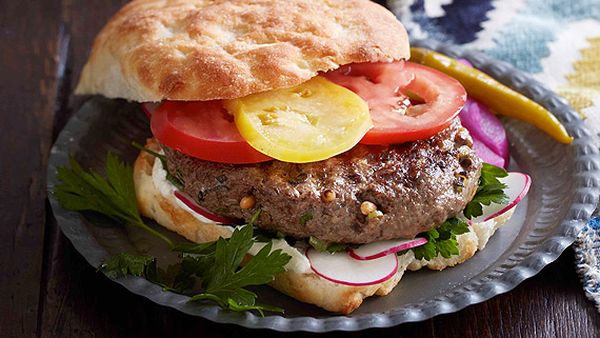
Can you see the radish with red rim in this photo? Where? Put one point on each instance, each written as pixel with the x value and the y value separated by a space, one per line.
pixel 340 268
pixel 517 186
pixel 190 203
pixel 383 248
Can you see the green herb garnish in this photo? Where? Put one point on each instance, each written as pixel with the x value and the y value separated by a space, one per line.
pixel 442 240
pixel 175 278
pixel 254 217
pixel 374 214
pixel 305 217
pixel 490 190
pixel 324 246
pixel 113 197
pixel 225 283
pixel 124 264
pixel 262 235
pixel 195 248
pixel 215 264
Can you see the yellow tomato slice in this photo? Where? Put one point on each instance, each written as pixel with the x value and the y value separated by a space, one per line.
pixel 310 122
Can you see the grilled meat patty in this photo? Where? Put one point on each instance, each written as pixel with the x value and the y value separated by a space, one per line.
pixel 416 186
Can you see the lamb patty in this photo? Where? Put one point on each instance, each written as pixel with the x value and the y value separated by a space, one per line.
pixel 416 185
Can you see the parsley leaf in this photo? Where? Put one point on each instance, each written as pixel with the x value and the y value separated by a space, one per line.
pixel 216 264
pixel 113 197
pixel 429 249
pixel 193 248
pixel 442 240
pixel 324 246
pixel 124 264
pixel 490 190
pixel 263 235
pixel 176 277
pixel 224 282
pixel 233 306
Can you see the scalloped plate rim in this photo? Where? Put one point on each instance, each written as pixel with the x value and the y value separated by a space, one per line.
pixel 530 265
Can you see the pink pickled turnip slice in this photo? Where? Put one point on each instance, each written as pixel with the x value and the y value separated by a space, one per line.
pixel 486 127
pixel 149 107
pixel 382 248
pixel 517 187
pixel 340 268
pixel 487 155
pixel 190 203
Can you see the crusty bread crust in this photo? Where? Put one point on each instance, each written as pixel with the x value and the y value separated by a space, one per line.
pixel 306 287
pixel 311 288
pixel 153 50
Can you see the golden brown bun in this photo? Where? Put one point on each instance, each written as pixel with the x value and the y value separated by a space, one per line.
pixel 306 287
pixel 153 50
pixel 311 288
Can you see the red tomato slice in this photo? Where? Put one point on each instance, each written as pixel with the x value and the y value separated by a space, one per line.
pixel 395 118
pixel 202 129
pixel 376 83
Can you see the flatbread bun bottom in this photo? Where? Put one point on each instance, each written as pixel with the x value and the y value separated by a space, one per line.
pixel 307 287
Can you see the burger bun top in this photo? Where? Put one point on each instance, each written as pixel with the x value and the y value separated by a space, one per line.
pixel 198 50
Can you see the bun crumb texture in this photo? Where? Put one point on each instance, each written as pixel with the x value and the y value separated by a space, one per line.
pixel 154 50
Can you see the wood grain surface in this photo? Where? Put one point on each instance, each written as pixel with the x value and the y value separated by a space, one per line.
pixel 47 289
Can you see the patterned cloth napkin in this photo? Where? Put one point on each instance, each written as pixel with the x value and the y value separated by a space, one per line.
pixel 557 41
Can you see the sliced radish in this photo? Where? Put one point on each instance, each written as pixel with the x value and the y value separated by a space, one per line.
pixel 340 268
pixel 190 203
pixel 149 107
pixel 517 187
pixel 383 248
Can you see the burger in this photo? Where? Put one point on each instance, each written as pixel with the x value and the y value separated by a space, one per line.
pixel 304 118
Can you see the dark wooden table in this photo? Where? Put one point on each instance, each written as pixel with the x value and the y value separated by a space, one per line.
pixel 46 287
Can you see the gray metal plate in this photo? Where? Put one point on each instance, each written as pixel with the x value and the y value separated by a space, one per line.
pixel 563 196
